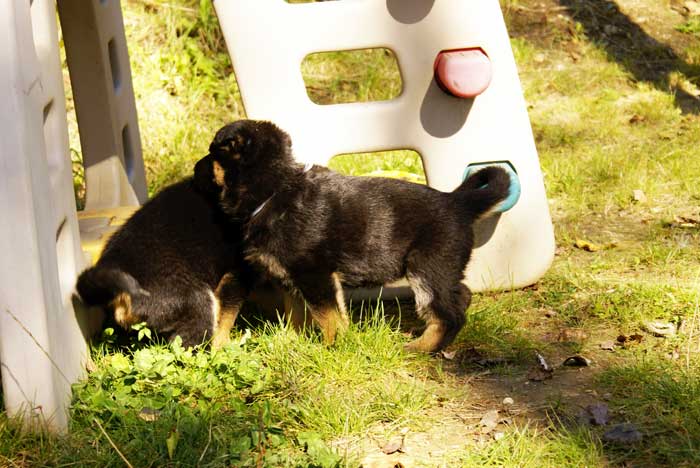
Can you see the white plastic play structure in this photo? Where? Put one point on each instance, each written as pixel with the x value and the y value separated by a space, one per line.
pixel 42 344
pixel 462 42
pixel 268 40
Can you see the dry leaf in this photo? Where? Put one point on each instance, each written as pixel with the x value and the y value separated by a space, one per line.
pixel 596 414
pixel 539 375
pixel 171 442
pixel 589 246
pixel 660 328
pixel 393 446
pixel 599 413
pixel 586 245
pixel 623 434
pixel 489 422
pixel 543 363
pixel 636 337
pixel 380 460
pixel 685 222
pixel 572 335
pixel 542 372
pixel 628 340
pixel 550 313
pixel 149 414
pixel 639 196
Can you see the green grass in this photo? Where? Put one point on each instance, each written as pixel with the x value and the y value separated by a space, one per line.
pixel 532 448
pixel 282 399
pixel 271 398
pixel 662 396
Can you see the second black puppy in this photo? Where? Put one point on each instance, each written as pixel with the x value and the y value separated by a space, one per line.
pixel 176 265
pixel 318 230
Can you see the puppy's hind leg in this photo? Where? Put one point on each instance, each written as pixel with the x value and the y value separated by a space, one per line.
pixel 227 299
pixel 442 308
pixel 324 294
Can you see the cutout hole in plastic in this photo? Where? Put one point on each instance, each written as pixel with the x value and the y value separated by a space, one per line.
pixel 114 66
pixel 346 76
pixel 402 164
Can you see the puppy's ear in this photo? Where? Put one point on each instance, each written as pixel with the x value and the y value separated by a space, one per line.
pixel 229 142
pixel 209 176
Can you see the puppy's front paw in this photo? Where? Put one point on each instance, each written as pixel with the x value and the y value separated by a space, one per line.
pixel 332 322
pixel 430 341
pixel 219 341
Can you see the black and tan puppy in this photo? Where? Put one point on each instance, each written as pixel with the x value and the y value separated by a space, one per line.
pixel 176 265
pixel 318 230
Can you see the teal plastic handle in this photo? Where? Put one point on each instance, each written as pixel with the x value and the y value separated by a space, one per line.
pixel 513 191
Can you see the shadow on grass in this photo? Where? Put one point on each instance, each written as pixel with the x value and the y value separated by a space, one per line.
pixel 628 44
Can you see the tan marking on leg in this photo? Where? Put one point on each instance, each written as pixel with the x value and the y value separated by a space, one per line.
pixel 295 310
pixel 222 333
pixel 224 313
pixel 123 314
pixel 339 293
pixel 340 300
pixel 431 338
pixel 219 173
pixel 331 321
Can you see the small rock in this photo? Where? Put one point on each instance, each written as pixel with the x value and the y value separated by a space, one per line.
pixel 639 196
pixel 448 355
pixel 623 434
pixel 607 345
pixel 498 436
pixel 393 446
pixel 507 401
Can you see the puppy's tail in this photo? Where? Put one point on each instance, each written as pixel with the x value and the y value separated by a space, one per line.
pixel 482 191
pixel 99 286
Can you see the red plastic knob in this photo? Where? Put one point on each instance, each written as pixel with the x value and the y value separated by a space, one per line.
pixel 463 73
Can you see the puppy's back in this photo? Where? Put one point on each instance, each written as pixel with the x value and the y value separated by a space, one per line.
pixel 174 240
